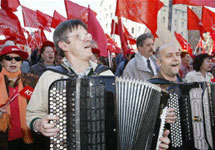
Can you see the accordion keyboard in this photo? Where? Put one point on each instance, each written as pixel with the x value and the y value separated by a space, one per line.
pixel 176 133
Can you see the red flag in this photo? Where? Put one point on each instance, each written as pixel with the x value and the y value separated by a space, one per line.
pixel 112 45
pixel 27 92
pixel 44 19
pixel 128 36
pixel 75 11
pixel 141 11
pixel 39 37
pixel 57 18
pixel 184 44
pixel 10 25
pixel 10 4
pixel 123 39
pixel 208 19
pixel 42 36
pixel 97 32
pixel 31 41
pixel 193 21
pixel 30 18
pixel 210 3
pixel 114 28
pixel 2 42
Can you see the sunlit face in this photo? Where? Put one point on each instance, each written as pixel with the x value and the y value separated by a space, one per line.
pixel 11 65
pixel 79 45
pixel 147 48
pixel 169 61
pixel 48 55
pixel 206 65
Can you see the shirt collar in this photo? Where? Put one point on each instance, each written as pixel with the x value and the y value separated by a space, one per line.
pixel 145 59
pixel 66 63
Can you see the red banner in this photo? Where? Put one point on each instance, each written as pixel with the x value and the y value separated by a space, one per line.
pixel 27 92
pixel 184 44
pixel 10 26
pixel 75 11
pixel 98 33
pixel 10 4
pixel 210 3
pixel 141 11
pixel 193 21
pixel 57 18
pixel 208 19
pixel 44 19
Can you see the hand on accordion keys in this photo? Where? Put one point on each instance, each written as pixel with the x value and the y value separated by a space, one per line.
pixel 170 117
pixel 46 125
pixel 164 141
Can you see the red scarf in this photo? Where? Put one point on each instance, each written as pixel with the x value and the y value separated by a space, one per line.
pixel 5 119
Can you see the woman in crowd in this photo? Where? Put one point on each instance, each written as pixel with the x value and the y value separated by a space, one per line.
pixel 185 64
pixel 14 133
pixel 47 55
pixel 202 64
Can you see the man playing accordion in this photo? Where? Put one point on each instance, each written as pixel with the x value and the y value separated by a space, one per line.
pixel 73 42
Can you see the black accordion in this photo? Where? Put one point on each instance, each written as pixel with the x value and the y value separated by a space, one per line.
pixel 195 111
pixel 103 113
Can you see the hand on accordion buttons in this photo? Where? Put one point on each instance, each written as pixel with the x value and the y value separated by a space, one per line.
pixel 164 141
pixel 46 125
pixel 170 116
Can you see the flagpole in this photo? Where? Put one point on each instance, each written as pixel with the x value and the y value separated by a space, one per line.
pixel 170 16
pixel 187 43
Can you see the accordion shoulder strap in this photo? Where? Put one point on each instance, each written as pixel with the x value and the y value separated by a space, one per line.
pixel 99 69
pixel 159 81
pixel 62 70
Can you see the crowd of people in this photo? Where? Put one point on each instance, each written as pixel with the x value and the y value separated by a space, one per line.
pixel 71 56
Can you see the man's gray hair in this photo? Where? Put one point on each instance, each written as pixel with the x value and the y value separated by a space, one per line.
pixel 159 49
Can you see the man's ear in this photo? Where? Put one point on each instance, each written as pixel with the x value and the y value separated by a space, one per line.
pixel 158 62
pixel 63 45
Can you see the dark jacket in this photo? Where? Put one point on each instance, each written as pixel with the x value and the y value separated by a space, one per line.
pixel 38 69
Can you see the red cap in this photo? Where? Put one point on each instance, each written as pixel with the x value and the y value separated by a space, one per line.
pixel 15 50
pixel 47 43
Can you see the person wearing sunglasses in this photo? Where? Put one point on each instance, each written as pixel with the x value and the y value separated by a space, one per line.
pixel 14 133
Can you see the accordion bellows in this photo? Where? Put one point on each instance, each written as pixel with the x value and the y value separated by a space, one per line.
pixel 103 113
